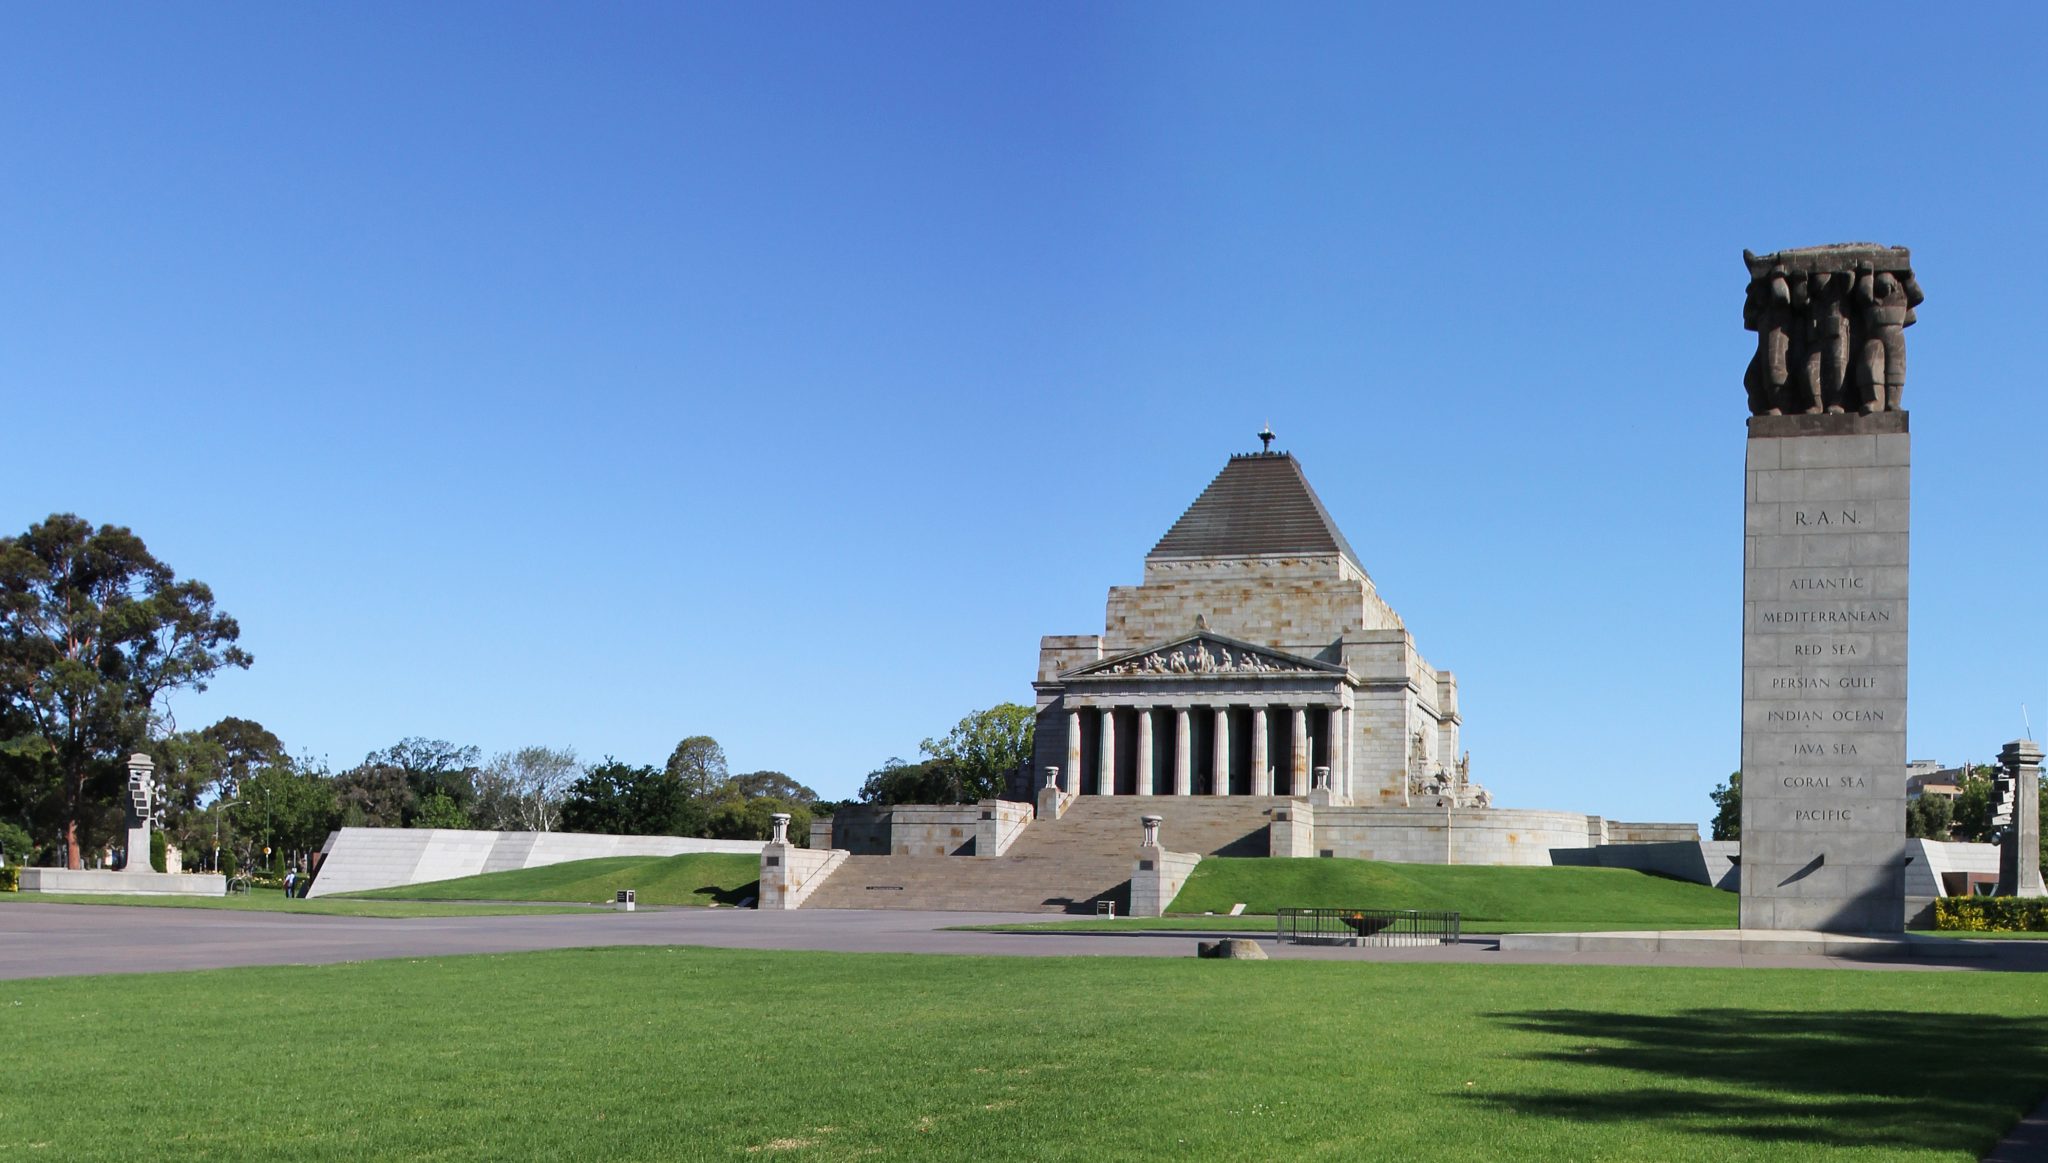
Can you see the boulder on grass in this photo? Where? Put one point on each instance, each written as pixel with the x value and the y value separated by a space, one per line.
pixel 1231 949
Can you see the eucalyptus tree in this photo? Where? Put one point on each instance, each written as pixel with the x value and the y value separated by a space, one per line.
pixel 93 631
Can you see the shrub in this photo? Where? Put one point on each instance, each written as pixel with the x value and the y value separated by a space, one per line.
pixel 1991 914
pixel 229 866
pixel 10 878
pixel 159 855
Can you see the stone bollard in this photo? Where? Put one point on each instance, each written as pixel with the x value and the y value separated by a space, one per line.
pixel 781 836
pixel 1151 830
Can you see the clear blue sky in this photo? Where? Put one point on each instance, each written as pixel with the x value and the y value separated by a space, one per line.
pixel 599 375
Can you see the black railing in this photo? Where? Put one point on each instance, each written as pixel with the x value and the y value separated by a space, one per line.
pixel 1367 927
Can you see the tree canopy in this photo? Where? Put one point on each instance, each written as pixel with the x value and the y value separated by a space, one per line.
pixel 93 630
pixel 974 760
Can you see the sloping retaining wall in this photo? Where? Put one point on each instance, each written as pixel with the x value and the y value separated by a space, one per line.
pixel 358 859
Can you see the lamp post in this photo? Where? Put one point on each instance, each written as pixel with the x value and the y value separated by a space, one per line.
pixel 220 809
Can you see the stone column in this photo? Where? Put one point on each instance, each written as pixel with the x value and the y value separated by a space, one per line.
pixel 1144 751
pixel 1340 753
pixel 1220 769
pixel 1262 772
pixel 1183 753
pixel 1073 777
pixel 1300 785
pixel 2019 847
pixel 1105 770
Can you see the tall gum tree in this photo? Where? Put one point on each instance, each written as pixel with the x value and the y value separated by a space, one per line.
pixel 93 630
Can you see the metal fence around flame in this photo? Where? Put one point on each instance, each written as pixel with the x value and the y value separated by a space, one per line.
pixel 1367 927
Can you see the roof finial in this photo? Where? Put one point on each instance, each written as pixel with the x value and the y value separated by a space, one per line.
pixel 1266 438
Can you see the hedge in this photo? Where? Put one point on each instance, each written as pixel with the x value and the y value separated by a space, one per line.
pixel 10 878
pixel 1992 914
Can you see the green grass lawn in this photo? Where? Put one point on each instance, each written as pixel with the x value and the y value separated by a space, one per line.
pixel 274 901
pixel 1519 898
pixel 664 1053
pixel 700 878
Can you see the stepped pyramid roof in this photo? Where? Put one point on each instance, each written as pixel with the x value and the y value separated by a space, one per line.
pixel 1260 505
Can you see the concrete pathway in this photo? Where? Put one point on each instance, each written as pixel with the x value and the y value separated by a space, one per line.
pixel 50 940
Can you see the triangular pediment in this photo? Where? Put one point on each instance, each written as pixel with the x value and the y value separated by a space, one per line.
pixel 1202 654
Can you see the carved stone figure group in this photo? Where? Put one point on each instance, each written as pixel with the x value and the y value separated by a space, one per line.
pixel 1830 325
pixel 1199 658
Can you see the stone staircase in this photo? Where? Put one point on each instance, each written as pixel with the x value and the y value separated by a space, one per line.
pixel 1062 866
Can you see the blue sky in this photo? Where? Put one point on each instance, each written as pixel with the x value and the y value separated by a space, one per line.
pixel 600 375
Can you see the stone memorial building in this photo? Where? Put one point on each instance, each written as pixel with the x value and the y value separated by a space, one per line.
pixel 1255 653
pixel 1252 696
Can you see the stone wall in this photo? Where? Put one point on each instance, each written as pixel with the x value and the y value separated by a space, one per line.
pixel 359 859
pixel 1302 605
pixel 789 875
pixel 1619 832
pixel 106 881
pixel 1459 836
pixel 1710 862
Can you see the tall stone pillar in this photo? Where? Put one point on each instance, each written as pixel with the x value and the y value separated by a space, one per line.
pixel 1071 781
pixel 2019 848
pixel 1300 777
pixel 1824 672
pixel 1183 753
pixel 1105 768
pixel 1262 770
pixel 1220 769
pixel 1144 751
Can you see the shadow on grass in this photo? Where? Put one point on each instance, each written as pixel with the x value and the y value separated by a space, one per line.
pixel 1848 1078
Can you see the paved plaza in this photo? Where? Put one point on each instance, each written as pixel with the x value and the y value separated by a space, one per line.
pixel 50 940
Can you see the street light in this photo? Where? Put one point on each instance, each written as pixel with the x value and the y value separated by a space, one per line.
pixel 223 807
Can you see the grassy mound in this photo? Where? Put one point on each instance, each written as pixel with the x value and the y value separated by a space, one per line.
pixel 698 878
pixel 1546 896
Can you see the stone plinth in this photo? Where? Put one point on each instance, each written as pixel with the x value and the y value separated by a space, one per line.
pixel 1824 673
pixel 106 881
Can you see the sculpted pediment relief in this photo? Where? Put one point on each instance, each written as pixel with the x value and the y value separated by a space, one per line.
pixel 1202 654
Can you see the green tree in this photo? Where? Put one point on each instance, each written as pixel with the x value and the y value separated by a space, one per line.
pixel 745 807
pixel 982 750
pixel 1972 808
pixel 934 781
pixel 93 629
pixel 374 796
pixel 439 811
pixel 621 799
pixel 289 806
pixel 15 845
pixel 1727 799
pixel 1928 818
pixel 753 819
pixel 698 764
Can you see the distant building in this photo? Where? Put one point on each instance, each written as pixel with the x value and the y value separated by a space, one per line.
pixel 1927 777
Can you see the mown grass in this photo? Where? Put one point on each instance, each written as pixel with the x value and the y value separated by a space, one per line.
pixel 656 1053
pixel 1522 897
pixel 274 901
pixel 698 878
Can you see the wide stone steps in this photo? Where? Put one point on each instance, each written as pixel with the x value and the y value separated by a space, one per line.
pixel 1063 865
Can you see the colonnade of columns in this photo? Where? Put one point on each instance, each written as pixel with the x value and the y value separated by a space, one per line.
pixel 1313 732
